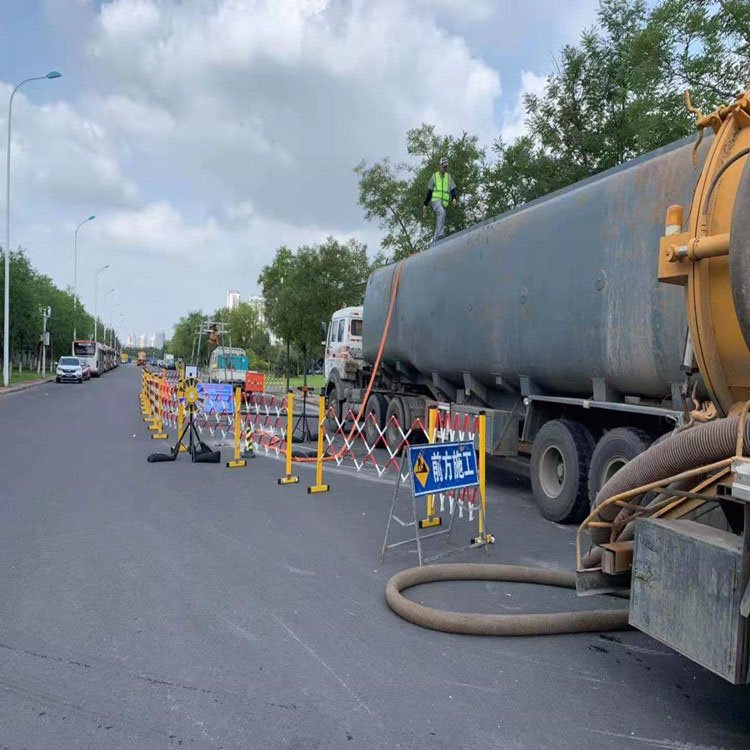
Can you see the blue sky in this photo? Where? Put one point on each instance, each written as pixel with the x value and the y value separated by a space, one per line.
pixel 205 133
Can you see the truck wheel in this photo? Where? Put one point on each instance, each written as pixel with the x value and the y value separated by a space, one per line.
pixel 560 460
pixel 395 413
pixel 612 452
pixel 375 411
pixel 333 410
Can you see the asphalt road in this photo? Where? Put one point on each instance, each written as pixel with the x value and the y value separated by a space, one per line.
pixel 180 605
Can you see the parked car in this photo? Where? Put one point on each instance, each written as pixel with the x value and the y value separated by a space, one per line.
pixel 69 370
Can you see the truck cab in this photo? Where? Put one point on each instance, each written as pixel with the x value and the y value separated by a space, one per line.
pixel 343 358
pixel 227 365
pixel 344 344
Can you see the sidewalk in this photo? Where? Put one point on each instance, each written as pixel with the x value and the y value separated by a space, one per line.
pixel 25 386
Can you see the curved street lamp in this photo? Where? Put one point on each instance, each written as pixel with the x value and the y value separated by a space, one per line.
pixel 104 315
pixel 96 299
pixel 6 302
pixel 75 274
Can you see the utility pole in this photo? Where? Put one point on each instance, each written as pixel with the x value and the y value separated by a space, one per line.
pixel 46 314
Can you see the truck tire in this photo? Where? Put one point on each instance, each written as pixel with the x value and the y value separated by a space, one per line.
pixel 394 433
pixel 333 410
pixel 560 459
pixel 612 452
pixel 377 406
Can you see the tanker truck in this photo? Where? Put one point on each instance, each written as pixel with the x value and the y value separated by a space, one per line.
pixel 553 321
pixel 588 325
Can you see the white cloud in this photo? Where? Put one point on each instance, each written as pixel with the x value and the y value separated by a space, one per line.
pixel 514 118
pixel 276 101
pixel 206 133
pixel 58 154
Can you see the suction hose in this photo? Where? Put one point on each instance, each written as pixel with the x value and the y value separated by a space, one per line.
pixel 701 445
pixel 689 449
pixel 505 625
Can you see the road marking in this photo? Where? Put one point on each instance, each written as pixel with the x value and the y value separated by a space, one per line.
pixel 320 661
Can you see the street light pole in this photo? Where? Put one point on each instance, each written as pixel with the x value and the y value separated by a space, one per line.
pixel 96 299
pixel 105 313
pixel 75 274
pixel 6 301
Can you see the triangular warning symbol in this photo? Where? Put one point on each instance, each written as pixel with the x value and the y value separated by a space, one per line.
pixel 421 470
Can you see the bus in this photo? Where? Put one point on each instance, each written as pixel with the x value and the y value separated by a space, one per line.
pixel 92 353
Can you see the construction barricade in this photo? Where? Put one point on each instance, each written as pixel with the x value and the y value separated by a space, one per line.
pixel 453 463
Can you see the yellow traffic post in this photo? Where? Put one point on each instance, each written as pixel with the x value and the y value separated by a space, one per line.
pixel 147 397
pixel 431 519
pixel 289 478
pixel 144 395
pixel 483 537
pixel 158 424
pixel 319 486
pixel 181 413
pixel 237 462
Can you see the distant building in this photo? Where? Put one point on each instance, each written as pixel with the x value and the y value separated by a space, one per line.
pixel 256 302
pixel 160 339
pixel 143 340
pixel 233 299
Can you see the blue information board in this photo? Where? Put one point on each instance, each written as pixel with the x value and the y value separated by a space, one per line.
pixel 218 398
pixel 442 467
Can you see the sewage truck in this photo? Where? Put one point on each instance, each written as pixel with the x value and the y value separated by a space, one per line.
pixel 554 321
pixel 588 325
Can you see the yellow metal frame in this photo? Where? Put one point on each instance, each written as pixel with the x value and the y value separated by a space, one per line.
pixel 157 426
pixel 696 255
pixel 319 486
pixel 237 462
pixel 431 520
pixel 289 478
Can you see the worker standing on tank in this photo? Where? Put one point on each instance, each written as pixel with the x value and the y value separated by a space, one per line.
pixel 440 192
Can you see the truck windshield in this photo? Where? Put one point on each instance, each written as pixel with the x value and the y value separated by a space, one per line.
pixel 356 328
pixel 233 362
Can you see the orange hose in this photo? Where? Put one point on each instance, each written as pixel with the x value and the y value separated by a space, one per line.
pixel 376 367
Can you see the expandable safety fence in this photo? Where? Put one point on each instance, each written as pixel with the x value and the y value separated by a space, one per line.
pixel 269 423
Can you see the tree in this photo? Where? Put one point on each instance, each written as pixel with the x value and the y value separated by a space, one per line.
pixel 619 93
pixel 183 339
pixel 246 330
pixel 305 287
pixel 30 291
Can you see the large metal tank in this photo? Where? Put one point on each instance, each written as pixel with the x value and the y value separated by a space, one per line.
pixel 563 290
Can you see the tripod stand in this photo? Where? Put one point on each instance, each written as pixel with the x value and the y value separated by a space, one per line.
pixel 303 420
pixel 200 452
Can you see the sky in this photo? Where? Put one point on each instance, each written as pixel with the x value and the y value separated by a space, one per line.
pixel 204 134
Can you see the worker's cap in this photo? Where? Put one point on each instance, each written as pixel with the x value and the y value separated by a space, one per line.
pixel 443 160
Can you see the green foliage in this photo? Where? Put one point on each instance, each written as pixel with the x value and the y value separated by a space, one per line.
pixel 246 330
pixel 301 289
pixel 616 94
pixel 182 343
pixel 30 291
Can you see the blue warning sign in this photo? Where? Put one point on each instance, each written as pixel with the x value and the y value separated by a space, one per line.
pixel 442 467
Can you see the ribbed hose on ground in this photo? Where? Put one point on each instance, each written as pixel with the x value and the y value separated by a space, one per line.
pixel 472 623
pixel 690 449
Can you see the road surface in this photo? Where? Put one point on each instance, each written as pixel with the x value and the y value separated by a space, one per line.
pixel 184 605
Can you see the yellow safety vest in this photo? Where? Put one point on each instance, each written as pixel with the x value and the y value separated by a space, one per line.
pixel 442 191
